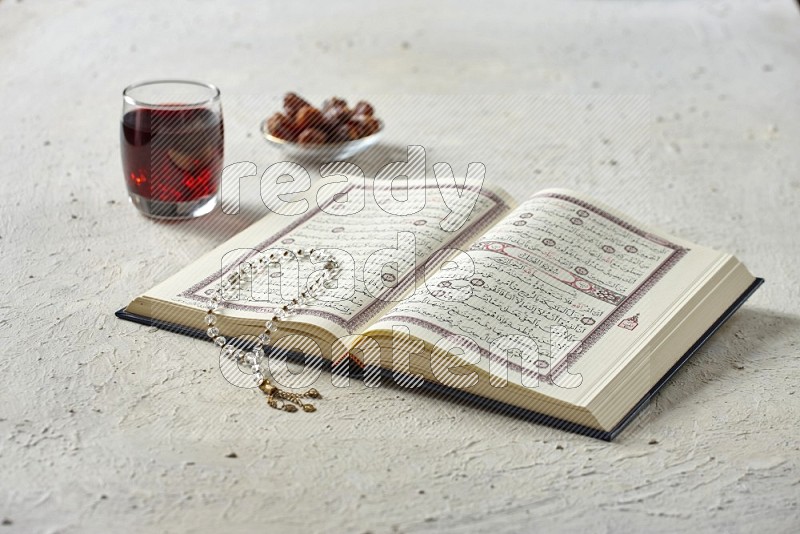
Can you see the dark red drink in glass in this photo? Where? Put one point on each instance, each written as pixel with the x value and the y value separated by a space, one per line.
pixel 172 141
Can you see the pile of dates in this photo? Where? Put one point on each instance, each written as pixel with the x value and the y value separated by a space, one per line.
pixel 335 122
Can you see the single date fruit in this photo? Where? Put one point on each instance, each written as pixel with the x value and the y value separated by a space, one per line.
pixel 280 126
pixel 371 126
pixel 308 117
pixel 292 104
pixel 335 112
pixel 312 136
pixel 364 108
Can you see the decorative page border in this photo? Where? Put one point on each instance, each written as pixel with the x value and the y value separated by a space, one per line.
pixel 385 298
pixel 605 325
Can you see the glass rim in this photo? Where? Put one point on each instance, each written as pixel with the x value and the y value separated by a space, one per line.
pixel 177 105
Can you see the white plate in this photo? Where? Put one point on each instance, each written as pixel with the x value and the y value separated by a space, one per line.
pixel 327 151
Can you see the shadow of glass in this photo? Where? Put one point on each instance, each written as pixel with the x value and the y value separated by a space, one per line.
pixel 211 229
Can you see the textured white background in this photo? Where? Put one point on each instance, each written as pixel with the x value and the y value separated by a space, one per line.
pixel 107 426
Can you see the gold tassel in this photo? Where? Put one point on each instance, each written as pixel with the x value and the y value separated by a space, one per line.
pixel 286 400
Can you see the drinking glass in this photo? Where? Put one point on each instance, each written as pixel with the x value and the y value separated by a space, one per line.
pixel 172 139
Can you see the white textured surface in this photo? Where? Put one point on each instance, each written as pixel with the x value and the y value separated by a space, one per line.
pixel 106 426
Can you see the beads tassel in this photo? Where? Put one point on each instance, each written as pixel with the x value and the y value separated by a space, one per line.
pixel 277 398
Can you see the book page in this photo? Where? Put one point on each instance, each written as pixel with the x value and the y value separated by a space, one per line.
pixel 383 255
pixel 549 283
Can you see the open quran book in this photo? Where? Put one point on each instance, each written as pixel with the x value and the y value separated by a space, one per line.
pixel 561 307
